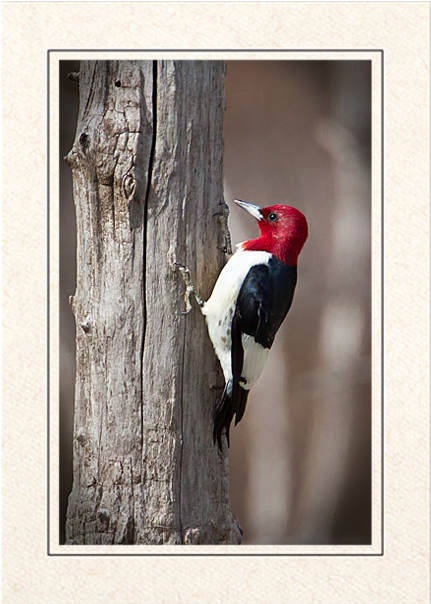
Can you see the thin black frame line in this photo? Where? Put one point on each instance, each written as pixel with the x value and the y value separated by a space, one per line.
pixel 382 285
pixel 277 50
pixel 329 554
pixel 212 555
pixel 48 301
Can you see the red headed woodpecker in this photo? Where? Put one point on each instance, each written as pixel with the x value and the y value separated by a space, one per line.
pixel 249 302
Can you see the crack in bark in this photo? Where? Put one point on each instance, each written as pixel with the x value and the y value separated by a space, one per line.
pixel 133 527
pixel 144 244
pixel 181 435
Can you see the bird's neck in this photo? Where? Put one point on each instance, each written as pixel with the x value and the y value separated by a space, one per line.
pixel 284 250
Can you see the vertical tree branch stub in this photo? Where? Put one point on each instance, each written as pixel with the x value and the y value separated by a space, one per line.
pixel 145 469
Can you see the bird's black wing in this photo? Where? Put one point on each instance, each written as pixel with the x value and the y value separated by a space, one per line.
pixel 263 302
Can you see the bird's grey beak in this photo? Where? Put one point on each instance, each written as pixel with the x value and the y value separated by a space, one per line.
pixel 250 208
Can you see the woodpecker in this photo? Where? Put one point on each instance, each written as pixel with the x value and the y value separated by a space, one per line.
pixel 249 302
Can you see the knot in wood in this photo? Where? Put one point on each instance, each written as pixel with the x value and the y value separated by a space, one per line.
pixel 194 536
pixel 86 324
pixel 129 186
pixel 74 76
pixel 104 516
pixel 81 437
pixel 71 159
pixel 84 141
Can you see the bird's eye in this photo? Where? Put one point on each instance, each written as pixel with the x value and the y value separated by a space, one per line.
pixel 273 217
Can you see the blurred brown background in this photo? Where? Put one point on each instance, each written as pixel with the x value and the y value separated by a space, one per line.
pixel 296 132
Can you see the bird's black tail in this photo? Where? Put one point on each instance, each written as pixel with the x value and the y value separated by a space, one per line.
pixel 234 402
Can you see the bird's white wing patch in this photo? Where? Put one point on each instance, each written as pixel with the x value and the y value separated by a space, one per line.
pixel 255 357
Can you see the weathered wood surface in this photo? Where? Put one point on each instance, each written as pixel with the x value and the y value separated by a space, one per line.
pixel 148 183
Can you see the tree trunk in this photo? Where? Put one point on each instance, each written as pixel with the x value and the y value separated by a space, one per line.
pixel 148 184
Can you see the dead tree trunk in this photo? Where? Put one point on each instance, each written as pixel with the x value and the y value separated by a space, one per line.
pixel 148 184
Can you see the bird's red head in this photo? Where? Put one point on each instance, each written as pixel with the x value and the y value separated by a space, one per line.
pixel 283 229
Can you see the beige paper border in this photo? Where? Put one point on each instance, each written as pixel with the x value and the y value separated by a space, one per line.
pixel 401 31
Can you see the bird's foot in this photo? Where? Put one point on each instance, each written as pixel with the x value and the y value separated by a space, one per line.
pixel 190 289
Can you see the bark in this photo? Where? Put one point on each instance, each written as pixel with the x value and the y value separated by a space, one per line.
pixel 148 184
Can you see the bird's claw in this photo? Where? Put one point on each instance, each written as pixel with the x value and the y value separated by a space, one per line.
pixel 190 288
